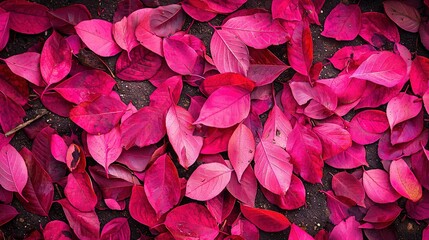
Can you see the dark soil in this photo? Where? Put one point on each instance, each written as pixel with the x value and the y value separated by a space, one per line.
pixel 312 217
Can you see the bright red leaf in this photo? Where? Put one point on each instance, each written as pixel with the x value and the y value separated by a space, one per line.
pixel 300 49
pixel 266 220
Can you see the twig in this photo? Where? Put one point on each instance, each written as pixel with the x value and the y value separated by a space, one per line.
pixel 107 66
pixel 42 113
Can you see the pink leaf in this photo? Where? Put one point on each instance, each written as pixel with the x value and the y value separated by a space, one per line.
pixel 229 53
pixel 125 8
pixel 300 49
pixel 349 56
pixel 286 9
pixel 305 150
pixel 419 75
pixel 420 166
pixel 353 157
pixel 343 22
pixel 367 126
pixel 264 67
pixel 377 186
pixel 38 193
pixel 404 181
pixel 166 20
pixel 297 233
pixel 180 130
pixel 386 151
pixel 334 139
pixel 146 38
pixel 384 68
pixel 85 86
pixel 347 230
pixel 241 149
pixel 4 29
pixel 140 208
pixel 385 213
pixel 57 229
pixel 245 190
pixel 143 128
pixel 221 6
pixel 118 228
pixel 56 59
pixel 13 171
pixel 294 197
pixel 402 107
pixel 266 220
pixel 8 213
pixel 376 27
pixel 64 19
pixel 225 107
pixel 123 32
pixel 277 128
pixel 27 17
pixel 26 65
pixel 245 229
pixel 258 30
pixel 221 206
pixel 346 185
pixel 80 192
pixel 105 148
pixel 191 221
pixel 339 207
pixel 162 185
pixel 99 116
pixel 405 16
pixel 207 181
pixel 202 15
pixel 97 36
pixel 272 167
pixel 190 62
pixel 84 224
pixel 408 130
pixel 136 158
pixel 140 64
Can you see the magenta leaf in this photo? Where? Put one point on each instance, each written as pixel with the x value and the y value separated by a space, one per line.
pixel 272 167
pixel 27 17
pixel 80 192
pixel 118 228
pixel 264 67
pixel 84 224
pixel 57 229
pixel 214 82
pixel 4 29
pixel 334 139
pixel 140 64
pixel 405 16
pixel 123 33
pixel 339 207
pixel 297 233
pixel 38 193
pixel 378 187
pixel 286 9
pixel 11 113
pixel 347 185
pixel 221 6
pixel 420 166
pixel 418 75
pixel 418 210
pixel 229 53
pixel 401 108
pixel 258 30
pixel 26 65
pixel 85 86
pixel 140 208
pixel 8 213
pixel 241 149
pixel 99 116
pixel 190 62
pixel 384 68
pixel 202 15
pixel 105 148
pixel 225 107
pixel 216 140
pixel 191 221
pixel 382 214
pixel 367 126
pixel 125 8
pixel 245 190
pixel 343 22
pixel 305 150
pixel 180 130
pixel 221 206
pixel 56 59
pixel 404 181
pixel 294 197
pixel 349 56
pixel 376 27
pixel 166 20
pixel 300 49
pixel 208 181
pixel 143 33
pixel 347 230
pixel 266 220
pixel 13 171
pixel 97 36
pixel 245 229
pixel 162 185
pixel 143 128
pixel 64 19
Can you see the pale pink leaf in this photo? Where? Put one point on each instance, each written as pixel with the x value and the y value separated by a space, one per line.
pixel 401 108
pixel 229 53
pixel 405 16
pixel 26 65
pixel 378 187
pixel 272 167
pixel 97 36
pixel 180 130
pixel 162 185
pixel 123 34
pixel 404 181
pixel 13 171
pixel 105 148
pixel 225 107
pixel 343 22
pixel 207 181
pixel 383 68
pixel 245 190
pixel 241 149
pixel 277 127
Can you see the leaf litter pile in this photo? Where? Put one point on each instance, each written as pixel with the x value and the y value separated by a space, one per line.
pixel 194 172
